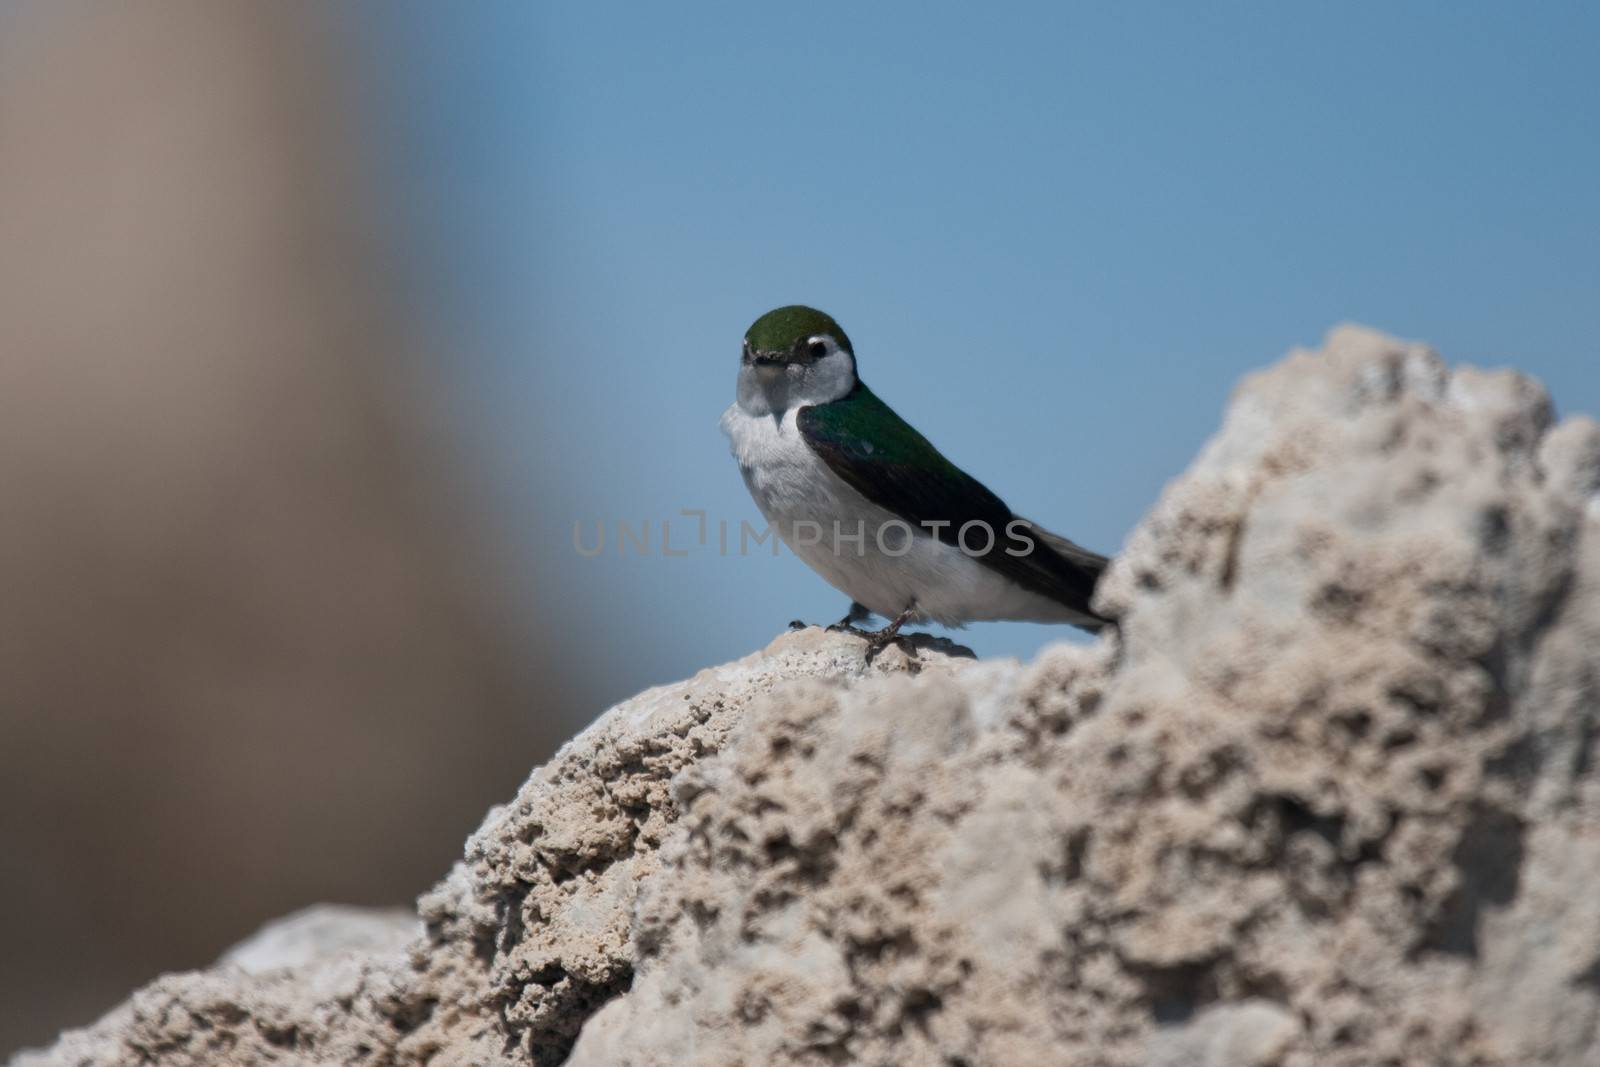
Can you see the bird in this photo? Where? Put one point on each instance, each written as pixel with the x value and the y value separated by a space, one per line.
pixel 874 508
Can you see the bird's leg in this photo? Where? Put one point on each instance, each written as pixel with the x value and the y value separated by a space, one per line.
pixel 858 613
pixel 878 640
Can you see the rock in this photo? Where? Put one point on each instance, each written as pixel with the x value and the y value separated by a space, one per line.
pixel 1330 797
pixel 1253 1033
pixel 522 941
pixel 303 990
pixel 323 932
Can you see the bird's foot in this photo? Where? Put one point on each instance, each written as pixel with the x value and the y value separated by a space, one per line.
pixel 858 613
pixel 878 640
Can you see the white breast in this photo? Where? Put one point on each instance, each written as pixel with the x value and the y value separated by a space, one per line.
pixel 805 502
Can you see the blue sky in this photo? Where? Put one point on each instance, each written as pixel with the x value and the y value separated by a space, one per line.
pixel 1056 233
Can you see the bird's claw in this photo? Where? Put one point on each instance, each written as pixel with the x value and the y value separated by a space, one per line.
pixel 878 640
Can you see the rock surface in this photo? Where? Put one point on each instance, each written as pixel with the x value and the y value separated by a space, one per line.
pixel 1331 797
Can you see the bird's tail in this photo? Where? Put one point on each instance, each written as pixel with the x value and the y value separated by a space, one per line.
pixel 1091 563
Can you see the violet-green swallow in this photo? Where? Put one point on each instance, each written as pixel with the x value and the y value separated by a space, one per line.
pixel 875 509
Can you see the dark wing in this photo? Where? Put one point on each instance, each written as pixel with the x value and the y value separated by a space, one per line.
pixel 878 454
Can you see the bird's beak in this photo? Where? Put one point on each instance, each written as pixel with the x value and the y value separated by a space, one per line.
pixel 771 359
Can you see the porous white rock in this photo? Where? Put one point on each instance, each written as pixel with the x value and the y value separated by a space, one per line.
pixel 1329 798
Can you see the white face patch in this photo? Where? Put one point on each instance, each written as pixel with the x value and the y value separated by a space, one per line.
pixel 774 390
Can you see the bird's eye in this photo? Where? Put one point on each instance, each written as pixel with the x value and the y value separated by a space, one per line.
pixel 817 349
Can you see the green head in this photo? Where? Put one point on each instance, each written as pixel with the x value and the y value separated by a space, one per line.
pixel 793 357
pixel 793 335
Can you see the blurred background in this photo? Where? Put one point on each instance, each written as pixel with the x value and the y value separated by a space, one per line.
pixel 321 325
